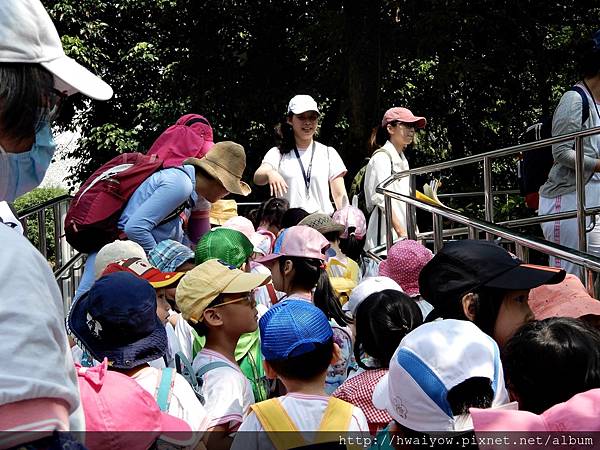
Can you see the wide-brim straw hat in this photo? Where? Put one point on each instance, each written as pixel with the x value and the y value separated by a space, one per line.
pixel 226 162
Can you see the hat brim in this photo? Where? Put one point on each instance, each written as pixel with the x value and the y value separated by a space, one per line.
pixel 176 431
pixel 126 356
pixel 245 282
pixel 419 122
pixel 229 181
pixel 165 279
pixel 72 77
pixel 526 276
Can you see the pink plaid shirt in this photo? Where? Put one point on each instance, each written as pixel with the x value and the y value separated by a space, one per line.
pixel 358 390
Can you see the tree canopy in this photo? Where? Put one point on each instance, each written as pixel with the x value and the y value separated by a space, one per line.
pixel 480 71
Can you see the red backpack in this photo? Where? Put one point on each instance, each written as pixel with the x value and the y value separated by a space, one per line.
pixel 94 213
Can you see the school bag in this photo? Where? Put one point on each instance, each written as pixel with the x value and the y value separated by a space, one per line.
pixel 535 165
pixel 93 215
pixel 284 434
pixel 164 389
pixel 357 188
pixel 185 369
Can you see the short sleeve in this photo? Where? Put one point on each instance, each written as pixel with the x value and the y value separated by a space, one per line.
pixel 359 421
pixel 336 165
pixel 185 405
pixel 224 393
pixel 272 158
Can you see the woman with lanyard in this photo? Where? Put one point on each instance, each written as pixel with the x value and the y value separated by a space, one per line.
pixel 577 110
pixel 300 169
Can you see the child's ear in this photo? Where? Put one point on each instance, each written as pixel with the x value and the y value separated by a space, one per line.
pixel 468 304
pixel 288 267
pixel 212 317
pixel 336 355
pixel 269 372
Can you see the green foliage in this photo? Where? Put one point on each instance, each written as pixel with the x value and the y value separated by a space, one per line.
pixel 479 71
pixel 34 198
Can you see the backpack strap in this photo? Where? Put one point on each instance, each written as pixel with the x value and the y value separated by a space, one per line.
pixel 165 388
pixel 379 211
pixel 585 104
pixel 185 369
pixel 279 426
pixel 210 366
pixel 336 418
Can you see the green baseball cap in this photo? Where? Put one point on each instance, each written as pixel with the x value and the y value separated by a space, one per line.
pixel 225 244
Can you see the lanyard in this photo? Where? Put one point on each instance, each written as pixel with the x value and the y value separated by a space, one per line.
pixel 306 174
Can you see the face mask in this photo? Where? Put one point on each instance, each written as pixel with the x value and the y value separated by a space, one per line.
pixel 21 172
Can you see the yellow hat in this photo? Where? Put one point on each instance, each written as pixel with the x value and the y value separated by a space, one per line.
pixel 222 210
pixel 201 285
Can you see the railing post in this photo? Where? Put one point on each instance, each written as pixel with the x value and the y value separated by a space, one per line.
pixel 41 224
pixel 473 233
pixel 411 211
pixel 487 189
pixel 438 232
pixel 389 236
pixel 580 185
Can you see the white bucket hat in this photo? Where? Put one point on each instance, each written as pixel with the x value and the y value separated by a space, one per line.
pixel 27 35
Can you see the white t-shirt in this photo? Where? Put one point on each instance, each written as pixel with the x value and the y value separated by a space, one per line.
pixel 306 411
pixel 184 403
pixel 326 166
pixel 227 392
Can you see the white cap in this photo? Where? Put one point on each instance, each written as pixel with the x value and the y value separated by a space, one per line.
pixel 431 360
pixel 116 251
pixel 27 35
pixel 367 287
pixel 302 103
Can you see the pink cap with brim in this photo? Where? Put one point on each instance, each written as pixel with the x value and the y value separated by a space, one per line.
pixel 115 402
pixel 569 298
pixel 402 115
pixel 580 413
pixel 301 241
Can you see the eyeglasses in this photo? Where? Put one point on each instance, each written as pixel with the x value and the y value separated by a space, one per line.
pixel 56 99
pixel 410 126
pixel 248 299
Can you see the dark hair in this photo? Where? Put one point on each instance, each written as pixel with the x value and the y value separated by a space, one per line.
pixel 382 320
pixel 549 361
pixel 292 217
pixel 284 136
pixel 474 392
pixel 24 92
pixel 379 136
pixel 353 247
pixel 332 236
pixel 486 304
pixel 588 58
pixel 306 366
pixel 272 211
pixel 310 273
pixel 200 327
pixel 252 216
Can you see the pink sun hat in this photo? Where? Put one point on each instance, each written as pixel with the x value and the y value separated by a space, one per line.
pixel 351 217
pixel 404 263
pixel 402 115
pixel 116 405
pixel 301 241
pixel 579 413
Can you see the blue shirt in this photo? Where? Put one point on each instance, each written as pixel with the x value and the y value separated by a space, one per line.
pixel 156 198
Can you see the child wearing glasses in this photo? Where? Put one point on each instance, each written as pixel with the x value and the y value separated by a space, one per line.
pixel 216 300
pixel 389 140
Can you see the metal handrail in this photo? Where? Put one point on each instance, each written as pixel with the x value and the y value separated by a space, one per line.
pixel 579 256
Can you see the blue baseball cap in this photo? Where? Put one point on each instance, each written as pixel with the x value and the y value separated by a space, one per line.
pixel 292 328
pixel 117 319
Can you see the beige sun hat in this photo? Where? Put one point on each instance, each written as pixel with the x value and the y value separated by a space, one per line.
pixel 226 162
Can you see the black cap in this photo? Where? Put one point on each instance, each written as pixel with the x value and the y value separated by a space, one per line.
pixel 464 266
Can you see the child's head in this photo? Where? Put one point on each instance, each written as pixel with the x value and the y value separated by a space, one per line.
pixel 225 244
pixel 270 214
pixel 381 321
pixel 352 239
pixel 438 372
pixel 548 361
pixel 298 264
pixel 116 251
pixel 116 319
pixel 171 256
pixel 324 225
pixel 481 282
pixel 296 341
pixel 215 296
pixel 292 217
pixel 405 260
pixel 164 283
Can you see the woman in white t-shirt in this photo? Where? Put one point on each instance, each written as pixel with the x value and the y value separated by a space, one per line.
pixel 300 169
pixel 396 132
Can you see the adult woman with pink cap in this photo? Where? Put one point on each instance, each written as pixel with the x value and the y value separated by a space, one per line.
pixel 300 169
pixel 390 139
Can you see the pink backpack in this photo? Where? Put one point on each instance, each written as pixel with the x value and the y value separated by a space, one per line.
pixel 94 213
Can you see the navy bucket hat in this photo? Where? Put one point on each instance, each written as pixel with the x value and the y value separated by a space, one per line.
pixel 117 319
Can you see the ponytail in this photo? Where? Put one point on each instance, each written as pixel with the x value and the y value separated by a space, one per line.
pixel 379 136
pixel 284 136
pixel 310 272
